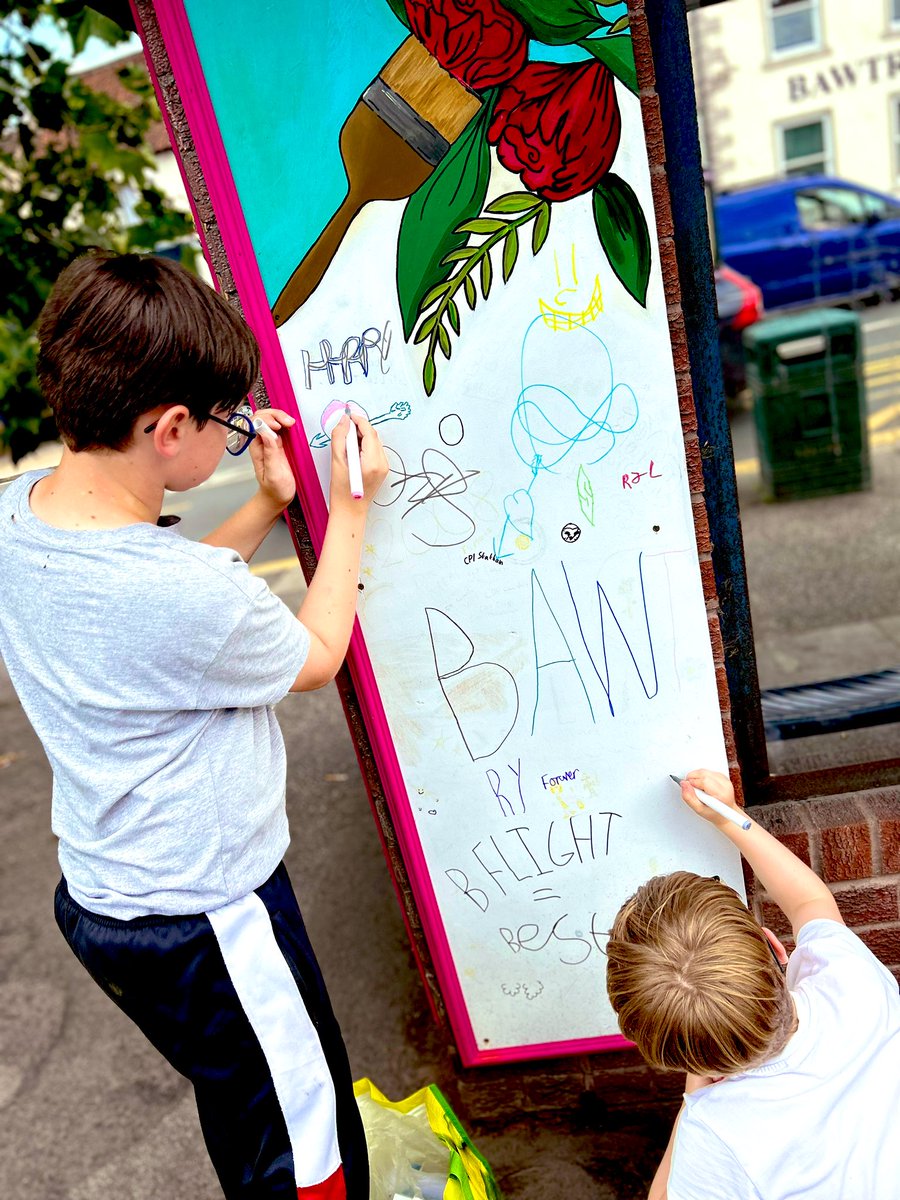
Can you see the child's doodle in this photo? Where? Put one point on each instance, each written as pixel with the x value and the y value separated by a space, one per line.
pixel 568 308
pixel 399 411
pixel 355 352
pixel 507 806
pixel 530 991
pixel 585 494
pixel 552 427
pixel 447 523
pixel 602 599
pixel 631 479
pixel 483 697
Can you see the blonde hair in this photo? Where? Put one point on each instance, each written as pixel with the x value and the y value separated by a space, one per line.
pixel 692 980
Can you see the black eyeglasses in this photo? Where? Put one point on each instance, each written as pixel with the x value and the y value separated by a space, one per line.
pixel 240 430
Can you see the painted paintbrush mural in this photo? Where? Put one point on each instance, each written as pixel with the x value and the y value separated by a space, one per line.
pixel 445 221
pixel 458 86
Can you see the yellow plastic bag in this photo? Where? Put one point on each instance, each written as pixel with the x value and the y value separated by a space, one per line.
pixel 417 1148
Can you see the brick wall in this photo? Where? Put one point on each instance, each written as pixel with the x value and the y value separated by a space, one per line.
pixel 853 843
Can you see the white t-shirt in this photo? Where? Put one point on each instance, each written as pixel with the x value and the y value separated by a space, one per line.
pixel 822 1120
pixel 148 665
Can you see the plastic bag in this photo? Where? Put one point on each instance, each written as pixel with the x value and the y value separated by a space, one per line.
pixel 418 1149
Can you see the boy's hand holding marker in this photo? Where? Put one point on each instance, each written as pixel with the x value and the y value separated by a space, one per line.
pixel 359 464
pixel 715 800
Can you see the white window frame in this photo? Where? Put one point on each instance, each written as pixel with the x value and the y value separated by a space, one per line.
pixel 823 118
pixel 811 47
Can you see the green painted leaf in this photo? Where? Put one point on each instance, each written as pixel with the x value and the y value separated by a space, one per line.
pixel 617 53
pixel 510 252
pixel 435 294
pixel 428 373
pixel 454 193
pixel 481 225
pixel 444 341
pixel 556 22
pixel 514 202
pixel 541 229
pixel 398 8
pixel 462 255
pixel 622 230
pixel 424 329
pixel 471 293
pixel 619 26
pixel 453 314
pixel 487 274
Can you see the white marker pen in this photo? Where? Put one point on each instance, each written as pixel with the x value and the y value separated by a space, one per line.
pixel 723 810
pixel 353 464
pixel 266 430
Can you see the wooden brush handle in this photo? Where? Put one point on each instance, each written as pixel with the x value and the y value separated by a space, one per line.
pixel 307 276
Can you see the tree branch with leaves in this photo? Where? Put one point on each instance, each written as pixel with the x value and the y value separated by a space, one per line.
pixel 67 153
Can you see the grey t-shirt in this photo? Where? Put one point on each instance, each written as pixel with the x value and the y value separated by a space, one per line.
pixel 148 665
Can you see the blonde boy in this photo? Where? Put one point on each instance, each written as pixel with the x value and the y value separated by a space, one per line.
pixel 793 1080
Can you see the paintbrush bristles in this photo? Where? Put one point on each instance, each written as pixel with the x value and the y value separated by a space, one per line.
pixel 417 76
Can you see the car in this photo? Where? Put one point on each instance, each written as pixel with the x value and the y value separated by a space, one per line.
pixel 740 304
pixel 811 239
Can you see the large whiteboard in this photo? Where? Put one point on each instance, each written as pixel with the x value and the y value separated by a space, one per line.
pixel 536 641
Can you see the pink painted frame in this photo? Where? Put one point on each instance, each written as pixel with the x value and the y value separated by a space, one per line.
pixel 175 29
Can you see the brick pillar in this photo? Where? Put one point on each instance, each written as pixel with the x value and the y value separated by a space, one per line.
pixel 853 843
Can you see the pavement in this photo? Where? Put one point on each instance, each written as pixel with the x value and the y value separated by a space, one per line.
pixel 90 1111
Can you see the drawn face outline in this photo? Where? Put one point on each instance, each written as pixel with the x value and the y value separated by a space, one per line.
pixel 560 316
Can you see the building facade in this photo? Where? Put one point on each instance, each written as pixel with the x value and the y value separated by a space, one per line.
pixel 797 87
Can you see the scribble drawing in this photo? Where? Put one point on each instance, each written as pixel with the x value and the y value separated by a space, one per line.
pixel 482 697
pixel 603 602
pixel 570 306
pixel 445 522
pixel 398 411
pixel 549 425
pixel 552 640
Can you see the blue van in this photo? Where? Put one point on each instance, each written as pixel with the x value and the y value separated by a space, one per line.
pixel 813 238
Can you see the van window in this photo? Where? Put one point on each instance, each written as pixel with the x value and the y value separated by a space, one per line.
pixel 830 208
pixel 879 208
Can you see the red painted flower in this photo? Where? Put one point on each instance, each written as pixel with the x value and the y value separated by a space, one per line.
pixel 557 126
pixel 477 41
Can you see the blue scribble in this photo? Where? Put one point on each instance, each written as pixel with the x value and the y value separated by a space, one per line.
pixel 601 597
pixel 548 425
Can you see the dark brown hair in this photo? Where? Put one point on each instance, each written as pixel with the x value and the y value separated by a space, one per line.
pixel 122 334
pixel 691 978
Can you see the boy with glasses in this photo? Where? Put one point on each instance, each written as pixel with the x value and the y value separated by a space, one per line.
pixel 149 666
pixel 793 1079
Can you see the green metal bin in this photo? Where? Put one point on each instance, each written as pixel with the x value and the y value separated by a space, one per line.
pixel 805 375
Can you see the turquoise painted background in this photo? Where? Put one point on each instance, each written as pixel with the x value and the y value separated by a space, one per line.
pixel 283 79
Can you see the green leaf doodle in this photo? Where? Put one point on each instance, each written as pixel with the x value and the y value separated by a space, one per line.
pixel 585 494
